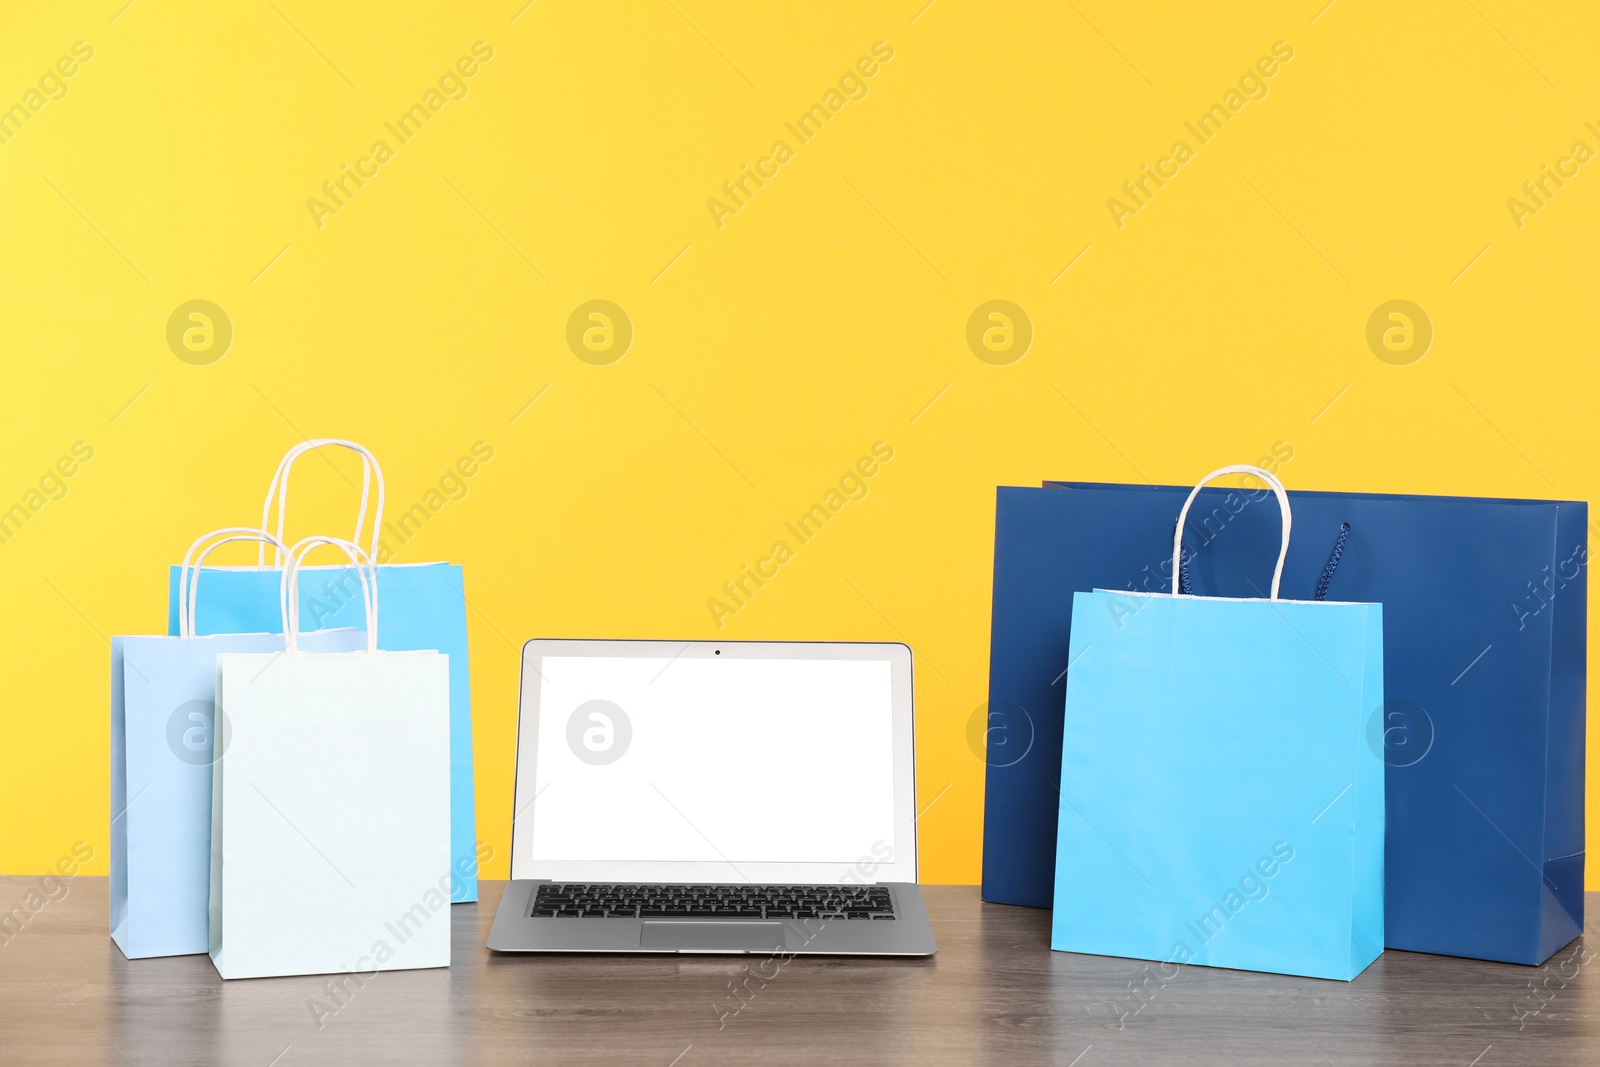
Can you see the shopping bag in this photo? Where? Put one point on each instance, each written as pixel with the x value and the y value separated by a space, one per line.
pixel 1218 803
pixel 163 741
pixel 1485 612
pixel 330 825
pixel 425 608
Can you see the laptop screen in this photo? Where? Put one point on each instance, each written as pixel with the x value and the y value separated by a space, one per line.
pixel 722 760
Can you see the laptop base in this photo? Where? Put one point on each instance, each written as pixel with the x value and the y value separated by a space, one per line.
pixel 516 930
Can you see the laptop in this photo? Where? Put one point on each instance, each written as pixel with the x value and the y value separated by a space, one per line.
pixel 714 797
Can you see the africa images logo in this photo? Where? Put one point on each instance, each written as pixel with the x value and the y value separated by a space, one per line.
pixel 452 85
pixel 1252 85
pixel 193 735
pixel 737 192
pixel 51 86
pixel 598 732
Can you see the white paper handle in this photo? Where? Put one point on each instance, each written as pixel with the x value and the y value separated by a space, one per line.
pixel 1237 468
pixel 189 575
pixel 280 489
pixel 289 588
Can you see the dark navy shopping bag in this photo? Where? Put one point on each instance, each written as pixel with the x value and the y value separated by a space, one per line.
pixel 1482 728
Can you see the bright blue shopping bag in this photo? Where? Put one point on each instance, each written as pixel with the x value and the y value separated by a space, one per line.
pixel 423 605
pixel 1220 804
pixel 163 743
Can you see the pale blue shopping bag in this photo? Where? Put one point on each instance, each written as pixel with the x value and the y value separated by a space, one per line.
pixel 424 608
pixel 350 751
pixel 1221 803
pixel 163 742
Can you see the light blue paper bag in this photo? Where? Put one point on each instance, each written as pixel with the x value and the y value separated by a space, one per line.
pixel 424 608
pixel 330 828
pixel 1220 802
pixel 163 742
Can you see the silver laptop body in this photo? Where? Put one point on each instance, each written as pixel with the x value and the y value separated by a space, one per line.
pixel 714 797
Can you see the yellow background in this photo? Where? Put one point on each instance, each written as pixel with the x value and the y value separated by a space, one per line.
pixel 1228 314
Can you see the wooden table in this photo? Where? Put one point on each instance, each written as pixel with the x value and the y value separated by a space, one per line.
pixel 993 994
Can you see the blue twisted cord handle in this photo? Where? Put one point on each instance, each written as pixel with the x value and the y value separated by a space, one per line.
pixel 1333 562
pixel 1186 587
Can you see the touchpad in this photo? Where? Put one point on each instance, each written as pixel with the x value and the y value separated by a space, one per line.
pixel 714 936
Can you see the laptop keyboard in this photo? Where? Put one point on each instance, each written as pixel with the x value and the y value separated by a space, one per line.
pixel 558 900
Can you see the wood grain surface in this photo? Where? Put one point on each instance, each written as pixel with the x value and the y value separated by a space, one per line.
pixel 995 993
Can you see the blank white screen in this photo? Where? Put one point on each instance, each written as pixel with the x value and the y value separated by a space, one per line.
pixel 729 760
